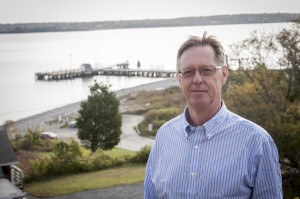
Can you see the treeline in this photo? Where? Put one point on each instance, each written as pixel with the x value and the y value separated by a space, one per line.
pixel 148 23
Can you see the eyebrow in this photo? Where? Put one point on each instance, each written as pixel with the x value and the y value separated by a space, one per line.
pixel 193 68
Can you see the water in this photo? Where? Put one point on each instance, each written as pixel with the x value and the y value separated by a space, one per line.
pixel 21 55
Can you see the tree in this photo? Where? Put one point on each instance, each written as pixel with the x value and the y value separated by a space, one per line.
pixel 268 94
pixel 289 39
pixel 99 120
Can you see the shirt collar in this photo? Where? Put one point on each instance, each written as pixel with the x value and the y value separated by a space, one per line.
pixel 211 127
pixel 186 125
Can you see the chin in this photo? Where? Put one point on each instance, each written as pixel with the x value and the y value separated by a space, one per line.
pixel 200 104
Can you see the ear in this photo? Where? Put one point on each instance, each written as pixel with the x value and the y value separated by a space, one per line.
pixel 224 74
pixel 179 79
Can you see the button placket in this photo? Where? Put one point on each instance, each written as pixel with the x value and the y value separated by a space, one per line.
pixel 196 139
pixel 195 159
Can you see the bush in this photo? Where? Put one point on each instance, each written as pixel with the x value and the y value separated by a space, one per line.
pixel 24 158
pixel 67 159
pixel 157 117
pixel 142 155
pixel 100 160
pixel 38 168
pixel 31 141
pixel 158 107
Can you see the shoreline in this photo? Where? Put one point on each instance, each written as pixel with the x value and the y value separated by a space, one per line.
pixel 40 119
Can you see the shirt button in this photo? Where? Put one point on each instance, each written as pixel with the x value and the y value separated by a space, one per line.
pixel 196 146
pixel 192 174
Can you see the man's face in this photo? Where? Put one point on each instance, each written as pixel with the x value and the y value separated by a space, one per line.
pixel 201 92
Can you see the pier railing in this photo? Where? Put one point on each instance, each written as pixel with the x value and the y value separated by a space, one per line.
pixel 76 73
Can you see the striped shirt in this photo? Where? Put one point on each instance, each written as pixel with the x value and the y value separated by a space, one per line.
pixel 227 157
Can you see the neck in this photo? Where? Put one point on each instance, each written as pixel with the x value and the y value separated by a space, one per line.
pixel 198 117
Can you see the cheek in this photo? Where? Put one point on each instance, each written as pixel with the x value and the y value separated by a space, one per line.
pixel 219 81
pixel 215 87
pixel 184 89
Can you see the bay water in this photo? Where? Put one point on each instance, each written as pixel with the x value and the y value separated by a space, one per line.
pixel 22 55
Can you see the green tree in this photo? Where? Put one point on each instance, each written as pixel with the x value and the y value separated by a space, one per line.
pixel 268 94
pixel 99 120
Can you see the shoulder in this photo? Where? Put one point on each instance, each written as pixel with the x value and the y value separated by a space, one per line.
pixel 171 127
pixel 248 127
pixel 257 141
pixel 174 122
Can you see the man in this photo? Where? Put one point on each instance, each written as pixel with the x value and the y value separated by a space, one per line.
pixel 208 151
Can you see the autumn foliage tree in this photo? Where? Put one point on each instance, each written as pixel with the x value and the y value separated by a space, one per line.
pixel 266 90
pixel 99 120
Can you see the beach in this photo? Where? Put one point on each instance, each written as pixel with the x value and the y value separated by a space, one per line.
pixel 130 139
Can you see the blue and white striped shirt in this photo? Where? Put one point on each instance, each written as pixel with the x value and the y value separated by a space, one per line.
pixel 227 157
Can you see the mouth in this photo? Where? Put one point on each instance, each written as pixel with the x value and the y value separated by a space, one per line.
pixel 198 91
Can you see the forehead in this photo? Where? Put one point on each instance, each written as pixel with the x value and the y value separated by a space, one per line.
pixel 197 55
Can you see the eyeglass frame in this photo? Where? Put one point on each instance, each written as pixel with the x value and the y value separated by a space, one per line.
pixel 199 70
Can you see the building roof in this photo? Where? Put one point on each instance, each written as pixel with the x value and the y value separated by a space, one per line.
pixel 7 154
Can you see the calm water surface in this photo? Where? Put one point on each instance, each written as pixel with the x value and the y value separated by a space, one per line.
pixel 21 55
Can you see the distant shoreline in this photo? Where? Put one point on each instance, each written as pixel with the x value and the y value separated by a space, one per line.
pixel 149 23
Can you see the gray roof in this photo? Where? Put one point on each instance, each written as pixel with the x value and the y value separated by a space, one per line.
pixel 7 154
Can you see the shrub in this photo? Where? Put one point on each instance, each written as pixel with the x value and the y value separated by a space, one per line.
pixel 157 107
pixel 39 169
pixel 142 155
pixel 31 141
pixel 24 158
pixel 100 160
pixel 67 159
pixel 157 117
pixel 28 142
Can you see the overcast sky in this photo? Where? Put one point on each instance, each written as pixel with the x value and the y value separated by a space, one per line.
pixel 23 11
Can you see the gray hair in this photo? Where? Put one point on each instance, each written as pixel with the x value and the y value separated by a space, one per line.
pixel 202 41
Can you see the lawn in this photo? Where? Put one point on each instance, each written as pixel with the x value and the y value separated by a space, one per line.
pixel 115 152
pixel 87 181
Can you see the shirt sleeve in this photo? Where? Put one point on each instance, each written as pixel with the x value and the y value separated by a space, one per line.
pixel 268 182
pixel 149 192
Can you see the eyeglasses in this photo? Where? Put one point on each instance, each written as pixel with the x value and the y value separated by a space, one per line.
pixel 204 71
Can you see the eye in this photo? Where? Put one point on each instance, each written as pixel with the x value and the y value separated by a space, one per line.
pixel 207 70
pixel 188 73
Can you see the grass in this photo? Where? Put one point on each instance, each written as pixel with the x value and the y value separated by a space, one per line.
pixel 87 181
pixel 117 152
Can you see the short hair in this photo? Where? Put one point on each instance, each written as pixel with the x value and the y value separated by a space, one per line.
pixel 202 41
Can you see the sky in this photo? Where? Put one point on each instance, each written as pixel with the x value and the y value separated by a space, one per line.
pixel 26 11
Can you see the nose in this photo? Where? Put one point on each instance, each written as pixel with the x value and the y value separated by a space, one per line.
pixel 197 78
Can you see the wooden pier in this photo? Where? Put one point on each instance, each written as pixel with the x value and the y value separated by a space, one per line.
pixel 76 73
